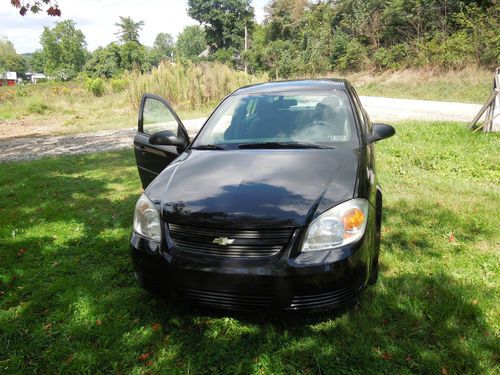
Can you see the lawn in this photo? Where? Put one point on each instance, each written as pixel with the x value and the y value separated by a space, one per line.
pixel 69 303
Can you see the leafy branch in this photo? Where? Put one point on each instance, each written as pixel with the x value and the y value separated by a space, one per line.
pixel 36 6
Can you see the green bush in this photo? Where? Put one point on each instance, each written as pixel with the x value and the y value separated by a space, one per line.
pixel 391 58
pixel 95 86
pixel 340 41
pixel 481 27
pixel 224 56
pixel 354 57
pixel 37 106
pixel 279 57
pixel 454 51
pixel 118 84
pixel 22 91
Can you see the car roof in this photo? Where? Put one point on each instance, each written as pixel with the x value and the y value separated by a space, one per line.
pixel 293 85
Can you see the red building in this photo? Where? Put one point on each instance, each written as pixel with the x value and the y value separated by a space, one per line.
pixel 9 79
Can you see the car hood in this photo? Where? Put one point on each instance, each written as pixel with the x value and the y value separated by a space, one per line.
pixel 254 188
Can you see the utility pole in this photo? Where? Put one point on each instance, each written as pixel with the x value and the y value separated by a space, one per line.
pixel 246 47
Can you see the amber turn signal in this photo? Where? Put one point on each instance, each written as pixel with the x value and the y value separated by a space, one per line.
pixel 353 219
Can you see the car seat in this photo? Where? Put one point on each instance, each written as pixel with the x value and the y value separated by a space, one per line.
pixel 331 114
pixel 266 123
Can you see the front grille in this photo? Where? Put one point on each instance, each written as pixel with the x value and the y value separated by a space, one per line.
pixel 246 244
pixel 226 300
pixel 324 300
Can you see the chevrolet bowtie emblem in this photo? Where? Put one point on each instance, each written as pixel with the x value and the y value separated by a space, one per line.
pixel 223 241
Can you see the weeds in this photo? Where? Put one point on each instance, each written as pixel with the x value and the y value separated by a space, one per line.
pixel 188 85
pixel 95 86
pixel 37 105
pixel 469 85
pixel 118 84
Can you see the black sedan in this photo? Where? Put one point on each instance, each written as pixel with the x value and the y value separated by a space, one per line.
pixel 275 204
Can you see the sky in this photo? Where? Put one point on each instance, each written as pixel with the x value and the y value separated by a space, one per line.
pixel 97 18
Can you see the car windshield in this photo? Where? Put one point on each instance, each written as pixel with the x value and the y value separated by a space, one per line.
pixel 320 119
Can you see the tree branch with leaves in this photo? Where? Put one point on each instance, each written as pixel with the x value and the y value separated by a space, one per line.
pixel 37 6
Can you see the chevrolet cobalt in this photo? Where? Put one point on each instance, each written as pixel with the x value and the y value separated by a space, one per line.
pixel 275 204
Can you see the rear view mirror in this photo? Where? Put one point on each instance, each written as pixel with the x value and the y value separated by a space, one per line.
pixel 380 131
pixel 168 138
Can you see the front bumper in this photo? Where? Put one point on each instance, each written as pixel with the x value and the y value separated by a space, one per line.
pixel 312 282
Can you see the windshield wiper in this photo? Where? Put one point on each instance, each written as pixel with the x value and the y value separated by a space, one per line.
pixel 208 147
pixel 283 145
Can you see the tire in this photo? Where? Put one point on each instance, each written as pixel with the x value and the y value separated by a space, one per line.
pixel 372 280
pixel 378 221
pixel 147 285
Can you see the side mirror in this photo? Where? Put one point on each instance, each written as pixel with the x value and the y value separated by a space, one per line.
pixel 379 132
pixel 168 138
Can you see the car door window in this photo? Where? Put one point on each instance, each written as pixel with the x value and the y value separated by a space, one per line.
pixel 157 117
pixel 156 114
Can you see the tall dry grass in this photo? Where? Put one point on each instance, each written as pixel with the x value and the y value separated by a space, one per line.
pixel 471 84
pixel 188 86
pixel 61 108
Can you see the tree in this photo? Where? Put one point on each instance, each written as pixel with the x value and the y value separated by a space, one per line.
pixel 9 59
pixel 284 18
pixel 133 57
pixel 64 50
pixel 224 21
pixel 316 39
pixel 35 61
pixel 105 62
pixel 164 44
pixel 190 42
pixel 114 59
pixel 255 54
pixel 129 30
pixel 163 47
pixel 278 56
pixel 36 6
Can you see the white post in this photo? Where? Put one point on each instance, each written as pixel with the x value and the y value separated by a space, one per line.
pixel 492 108
pixel 495 107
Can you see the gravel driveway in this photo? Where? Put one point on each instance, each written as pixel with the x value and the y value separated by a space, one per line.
pixel 379 109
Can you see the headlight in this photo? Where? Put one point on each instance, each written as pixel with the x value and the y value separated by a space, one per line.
pixel 339 226
pixel 147 219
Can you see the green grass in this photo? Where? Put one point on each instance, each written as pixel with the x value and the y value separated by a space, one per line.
pixel 69 304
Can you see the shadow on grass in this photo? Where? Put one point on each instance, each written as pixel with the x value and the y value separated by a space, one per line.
pixel 410 227
pixel 69 302
pixel 412 323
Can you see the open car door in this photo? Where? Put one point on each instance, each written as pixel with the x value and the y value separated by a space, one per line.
pixel 160 137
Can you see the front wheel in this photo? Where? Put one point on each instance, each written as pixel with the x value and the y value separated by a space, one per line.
pixel 147 285
pixel 378 221
pixel 374 275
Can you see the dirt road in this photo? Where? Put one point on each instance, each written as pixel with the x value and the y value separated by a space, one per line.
pixel 389 109
pixel 379 109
